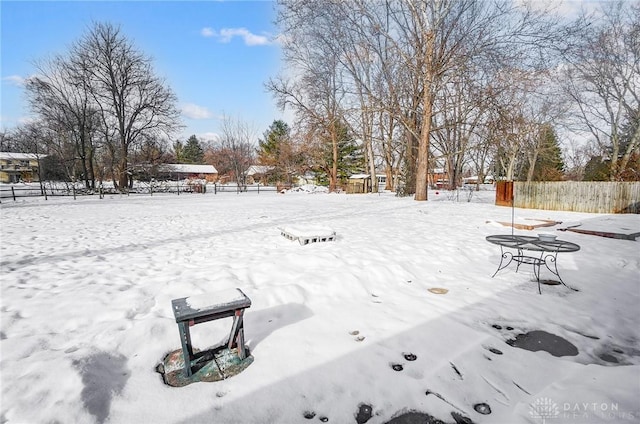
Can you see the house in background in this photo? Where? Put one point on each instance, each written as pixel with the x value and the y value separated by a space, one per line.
pixel 258 174
pixel 174 171
pixel 16 167
pixel 474 180
pixel 438 178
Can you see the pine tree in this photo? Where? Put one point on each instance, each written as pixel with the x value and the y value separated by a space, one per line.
pixel 597 169
pixel 550 165
pixel 278 151
pixel 191 152
pixel 350 156
pixel 546 157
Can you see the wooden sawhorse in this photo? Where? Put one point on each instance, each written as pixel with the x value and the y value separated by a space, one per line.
pixel 193 310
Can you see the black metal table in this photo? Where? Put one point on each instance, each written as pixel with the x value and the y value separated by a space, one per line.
pixel 522 244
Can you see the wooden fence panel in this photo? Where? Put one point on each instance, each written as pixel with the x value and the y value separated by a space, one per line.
pixel 504 193
pixel 579 196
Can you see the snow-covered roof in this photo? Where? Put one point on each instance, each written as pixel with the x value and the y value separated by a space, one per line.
pixel 20 156
pixel 361 176
pixel 183 168
pixel 475 178
pixel 258 169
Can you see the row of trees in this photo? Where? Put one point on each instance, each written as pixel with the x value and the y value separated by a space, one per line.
pixel 102 112
pixel 484 85
pixel 472 86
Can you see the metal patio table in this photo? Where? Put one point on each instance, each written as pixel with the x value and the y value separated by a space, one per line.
pixel 525 246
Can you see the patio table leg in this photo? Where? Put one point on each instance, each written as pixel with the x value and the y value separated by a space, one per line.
pixel 503 255
pixel 554 271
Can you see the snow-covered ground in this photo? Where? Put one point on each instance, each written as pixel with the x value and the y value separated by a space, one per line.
pixel 339 330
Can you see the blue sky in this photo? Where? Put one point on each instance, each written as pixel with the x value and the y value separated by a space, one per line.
pixel 215 55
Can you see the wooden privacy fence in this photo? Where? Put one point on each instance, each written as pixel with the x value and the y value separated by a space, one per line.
pixel 577 196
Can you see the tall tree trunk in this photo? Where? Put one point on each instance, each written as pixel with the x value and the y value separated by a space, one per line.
pixel 422 171
pixel 372 166
pixel 123 180
pixel 533 158
pixel 410 163
pixel 334 165
pixel 333 178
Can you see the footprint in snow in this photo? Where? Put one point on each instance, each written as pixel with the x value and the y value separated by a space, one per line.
pixel 356 333
pixel 410 357
pixel 499 327
pixel 397 367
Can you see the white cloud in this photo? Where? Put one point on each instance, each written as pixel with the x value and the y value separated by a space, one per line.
pixel 207 32
pixel 225 35
pixel 209 136
pixel 194 111
pixel 16 80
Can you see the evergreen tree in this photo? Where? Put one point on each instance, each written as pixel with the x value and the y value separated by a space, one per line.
pixel 191 152
pixel 544 154
pixel 350 156
pixel 597 169
pixel 550 165
pixel 278 151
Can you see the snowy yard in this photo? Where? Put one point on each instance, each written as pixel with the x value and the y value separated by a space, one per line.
pixel 339 330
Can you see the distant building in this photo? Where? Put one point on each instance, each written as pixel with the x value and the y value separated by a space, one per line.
pixel 361 183
pixel 474 180
pixel 187 171
pixel 16 167
pixel 439 178
pixel 258 174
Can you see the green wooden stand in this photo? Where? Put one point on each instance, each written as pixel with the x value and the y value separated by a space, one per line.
pixel 188 365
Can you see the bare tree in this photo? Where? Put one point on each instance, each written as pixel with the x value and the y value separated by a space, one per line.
pixel 603 80
pixel 33 137
pixel 61 98
pixel 314 88
pixel 461 104
pixel 235 150
pixel 130 98
pixel 7 141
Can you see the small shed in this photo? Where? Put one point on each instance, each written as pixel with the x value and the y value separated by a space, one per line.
pixel 359 183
